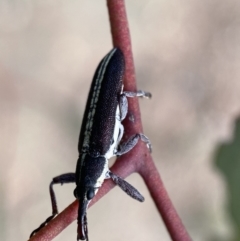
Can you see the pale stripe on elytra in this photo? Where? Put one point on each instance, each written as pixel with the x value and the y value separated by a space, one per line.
pixel 95 96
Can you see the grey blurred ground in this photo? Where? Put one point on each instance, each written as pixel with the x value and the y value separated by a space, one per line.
pixel 186 53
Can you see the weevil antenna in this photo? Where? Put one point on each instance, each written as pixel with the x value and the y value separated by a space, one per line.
pixel 126 187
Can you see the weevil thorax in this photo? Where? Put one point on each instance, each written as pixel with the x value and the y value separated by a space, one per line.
pixel 93 172
pixel 100 132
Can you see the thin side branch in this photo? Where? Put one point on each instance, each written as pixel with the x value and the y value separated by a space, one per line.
pixel 162 201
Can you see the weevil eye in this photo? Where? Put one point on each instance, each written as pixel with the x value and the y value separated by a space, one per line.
pixel 75 193
pixel 90 194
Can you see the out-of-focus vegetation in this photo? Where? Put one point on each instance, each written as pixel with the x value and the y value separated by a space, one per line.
pixel 228 161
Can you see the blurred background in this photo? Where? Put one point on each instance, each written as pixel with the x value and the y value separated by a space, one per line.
pixel 187 54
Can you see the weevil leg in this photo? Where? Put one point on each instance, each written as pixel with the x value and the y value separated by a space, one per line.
pixel 120 134
pixel 123 102
pixel 123 105
pixel 126 187
pixel 61 179
pixel 139 93
pixel 132 141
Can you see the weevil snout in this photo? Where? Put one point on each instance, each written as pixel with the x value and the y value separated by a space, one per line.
pixel 84 195
pixel 82 220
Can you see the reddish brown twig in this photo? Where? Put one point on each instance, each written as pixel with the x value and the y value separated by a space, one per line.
pixel 138 160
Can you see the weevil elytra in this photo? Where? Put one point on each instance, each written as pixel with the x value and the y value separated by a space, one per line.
pixel 99 139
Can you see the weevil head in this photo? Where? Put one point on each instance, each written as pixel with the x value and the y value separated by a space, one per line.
pixel 84 194
pixel 90 174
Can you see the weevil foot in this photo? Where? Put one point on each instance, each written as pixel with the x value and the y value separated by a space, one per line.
pixel 42 225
